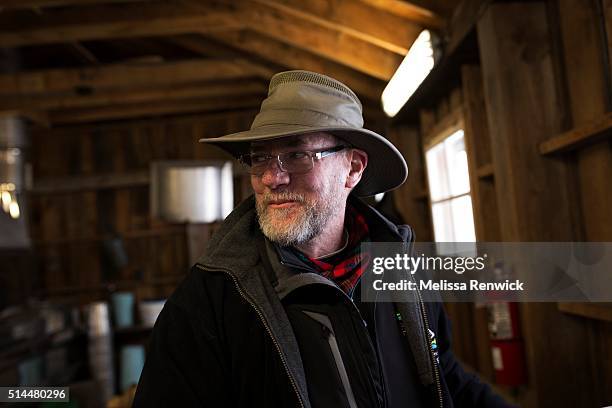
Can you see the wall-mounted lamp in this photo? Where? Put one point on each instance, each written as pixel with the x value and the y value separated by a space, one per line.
pixel 412 71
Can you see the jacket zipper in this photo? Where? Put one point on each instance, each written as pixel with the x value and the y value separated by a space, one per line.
pixel 265 323
pixel 431 354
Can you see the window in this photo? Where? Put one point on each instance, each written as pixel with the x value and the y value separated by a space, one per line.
pixel 449 190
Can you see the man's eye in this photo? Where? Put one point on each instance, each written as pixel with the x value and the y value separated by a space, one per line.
pixel 297 155
pixel 258 158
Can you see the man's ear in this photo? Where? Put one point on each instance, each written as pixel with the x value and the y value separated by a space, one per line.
pixel 358 162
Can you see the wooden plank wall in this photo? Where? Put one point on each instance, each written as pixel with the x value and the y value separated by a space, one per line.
pixel 522 108
pixel 543 72
pixel 96 188
pixel 539 83
pixel 586 50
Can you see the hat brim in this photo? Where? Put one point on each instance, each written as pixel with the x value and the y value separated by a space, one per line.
pixel 386 169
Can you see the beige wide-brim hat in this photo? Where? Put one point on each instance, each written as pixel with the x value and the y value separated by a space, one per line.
pixel 302 102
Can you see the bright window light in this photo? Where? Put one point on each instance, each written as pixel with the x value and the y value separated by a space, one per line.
pixel 412 71
pixel 449 190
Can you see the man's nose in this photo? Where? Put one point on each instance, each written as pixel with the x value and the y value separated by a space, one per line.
pixel 274 176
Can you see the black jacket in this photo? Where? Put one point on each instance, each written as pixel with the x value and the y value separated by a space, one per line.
pixel 225 338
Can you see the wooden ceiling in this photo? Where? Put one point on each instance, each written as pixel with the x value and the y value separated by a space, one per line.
pixel 81 61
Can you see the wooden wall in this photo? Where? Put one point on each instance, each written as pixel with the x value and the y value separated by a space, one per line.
pixel 91 184
pixel 537 116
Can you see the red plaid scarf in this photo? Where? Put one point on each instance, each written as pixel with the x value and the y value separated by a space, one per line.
pixel 346 267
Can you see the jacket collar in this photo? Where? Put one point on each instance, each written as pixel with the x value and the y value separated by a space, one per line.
pixel 231 247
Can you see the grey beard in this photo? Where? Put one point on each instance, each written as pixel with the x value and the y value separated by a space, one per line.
pixel 308 225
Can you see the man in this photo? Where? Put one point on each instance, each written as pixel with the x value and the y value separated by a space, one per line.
pixel 271 315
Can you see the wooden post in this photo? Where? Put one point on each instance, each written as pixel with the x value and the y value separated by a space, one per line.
pixel 478 145
pixel 411 199
pixel 484 202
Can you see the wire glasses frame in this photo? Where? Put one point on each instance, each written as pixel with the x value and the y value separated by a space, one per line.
pixel 296 162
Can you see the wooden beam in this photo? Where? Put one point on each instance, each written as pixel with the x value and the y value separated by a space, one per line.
pixel 206 46
pixel 283 25
pixel 128 111
pixel 411 199
pixel 443 128
pixel 357 19
pixel 35 116
pixel 485 171
pixel 463 20
pixel 183 120
pixel 515 132
pixel 22 4
pixel 276 56
pixel 132 95
pixel 86 80
pixel 289 57
pixel 84 183
pixel 607 16
pixel 112 21
pixel 299 29
pixel 478 148
pixel 590 132
pixel 413 12
pixel 598 311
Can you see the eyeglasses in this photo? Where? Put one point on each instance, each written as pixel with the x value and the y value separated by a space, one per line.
pixel 297 162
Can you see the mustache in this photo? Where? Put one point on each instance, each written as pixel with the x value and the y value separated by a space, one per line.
pixel 268 197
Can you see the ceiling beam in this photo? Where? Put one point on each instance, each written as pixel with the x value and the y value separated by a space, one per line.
pixel 420 15
pixel 286 26
pixel 373 24
pixel 347 46
pixel 288 57
pixel 326 18
pixel 112 21
pixel 140 110
pixel 22 4
pixel 89 80
pixel 109 97
pixel 285 57
pixel 178 107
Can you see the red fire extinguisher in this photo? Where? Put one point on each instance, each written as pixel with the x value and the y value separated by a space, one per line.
pixel 506 343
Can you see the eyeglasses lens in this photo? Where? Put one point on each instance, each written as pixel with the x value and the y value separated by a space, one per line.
pixel 291 162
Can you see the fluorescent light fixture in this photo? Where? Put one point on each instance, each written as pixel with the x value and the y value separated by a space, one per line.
pixel 412 71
